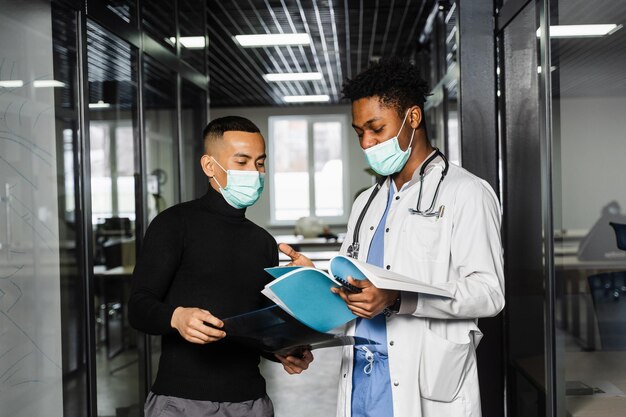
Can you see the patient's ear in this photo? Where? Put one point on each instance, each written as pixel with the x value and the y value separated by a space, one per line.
pixel 206 162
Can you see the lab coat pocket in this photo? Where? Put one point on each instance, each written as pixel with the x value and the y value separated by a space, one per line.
pixel 425 236
pixel 442 367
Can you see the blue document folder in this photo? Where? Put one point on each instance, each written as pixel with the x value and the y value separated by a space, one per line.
pixel 307 314
pixel 304 292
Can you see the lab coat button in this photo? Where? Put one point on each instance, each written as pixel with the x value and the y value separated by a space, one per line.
pixel 371 227
pixel 396 383
pixel 387 230
pixel 397 197
pixel 388 266
pixel 391 343
pixel 344 375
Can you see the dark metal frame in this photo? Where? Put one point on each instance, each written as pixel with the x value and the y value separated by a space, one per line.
pixel 144 348
pixel 477 89
pixel 545 131
pixel 506 14
pixel 501 132
pixel 477 95
pixel 86 257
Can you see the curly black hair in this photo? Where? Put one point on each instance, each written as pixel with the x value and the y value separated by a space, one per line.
pixel 395 81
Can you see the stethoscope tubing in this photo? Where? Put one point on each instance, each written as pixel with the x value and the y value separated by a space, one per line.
pixel 353 249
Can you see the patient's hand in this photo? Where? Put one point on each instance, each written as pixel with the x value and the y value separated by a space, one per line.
pixel 296 364
pixel 297 259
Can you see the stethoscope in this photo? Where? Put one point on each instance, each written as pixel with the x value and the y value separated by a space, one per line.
pixel 353 249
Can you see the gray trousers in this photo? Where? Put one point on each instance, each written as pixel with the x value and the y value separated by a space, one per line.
pixel 166 406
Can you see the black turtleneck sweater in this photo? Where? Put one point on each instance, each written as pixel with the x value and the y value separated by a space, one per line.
pixel 205 254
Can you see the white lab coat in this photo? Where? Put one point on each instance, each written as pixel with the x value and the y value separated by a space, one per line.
pixel 432 342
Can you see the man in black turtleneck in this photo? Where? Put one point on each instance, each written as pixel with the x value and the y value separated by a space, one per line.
pixel 202 260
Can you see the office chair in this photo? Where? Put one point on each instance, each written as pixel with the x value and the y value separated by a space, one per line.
pixel 620 234
pixel 608 292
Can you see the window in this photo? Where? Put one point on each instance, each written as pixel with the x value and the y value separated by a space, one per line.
pixel 112 170
pixel 307 168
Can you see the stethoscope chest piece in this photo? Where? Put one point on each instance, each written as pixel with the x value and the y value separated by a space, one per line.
pixel 353 250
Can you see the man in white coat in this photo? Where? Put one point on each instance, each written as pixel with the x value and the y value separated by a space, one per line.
pixel 442 228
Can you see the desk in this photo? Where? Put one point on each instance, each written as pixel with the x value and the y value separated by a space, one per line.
pixel 570 262
pixel 113 289
pixel 585 366
pixel 118 271
pixel 311 243
pixel 320 258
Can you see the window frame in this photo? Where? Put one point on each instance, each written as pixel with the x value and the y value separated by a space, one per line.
pixel 310 121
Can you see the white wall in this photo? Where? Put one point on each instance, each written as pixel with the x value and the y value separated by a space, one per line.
pixel 593 158
pixel 357 177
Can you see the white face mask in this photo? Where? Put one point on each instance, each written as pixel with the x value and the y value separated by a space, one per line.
pixel 243 188
pixel 387 157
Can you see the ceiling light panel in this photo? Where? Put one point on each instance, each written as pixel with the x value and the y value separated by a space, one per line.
pixel 293 76
pixel 47 83
pixel 320 98
pixel 11 83
pixel 191 42
pixel 279 39
pixel 581 31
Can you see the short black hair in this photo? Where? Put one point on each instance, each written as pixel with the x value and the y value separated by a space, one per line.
pixel 215 130
pixel 395 81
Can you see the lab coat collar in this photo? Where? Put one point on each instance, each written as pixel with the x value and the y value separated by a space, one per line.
pixel 437 162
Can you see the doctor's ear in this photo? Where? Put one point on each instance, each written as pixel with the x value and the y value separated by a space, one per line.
pixel 415 117
pixel 206 162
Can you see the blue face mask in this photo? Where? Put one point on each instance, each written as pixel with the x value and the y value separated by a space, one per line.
pixel 387 157
pixel 243 188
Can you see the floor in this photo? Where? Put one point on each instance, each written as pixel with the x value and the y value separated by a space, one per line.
pixel 310 394
pixel 118 384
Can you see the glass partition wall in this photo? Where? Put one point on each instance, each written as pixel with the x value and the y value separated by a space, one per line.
pixel 588 91
pixel 113 121
pixel 42 319
pixel 161 147
pixel 562 106
pixel 101 131
pixel 160 131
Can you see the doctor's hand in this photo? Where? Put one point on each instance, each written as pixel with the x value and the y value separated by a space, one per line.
pixel 197 326
pixel 370 302
pixel 297 259
pixel 295 364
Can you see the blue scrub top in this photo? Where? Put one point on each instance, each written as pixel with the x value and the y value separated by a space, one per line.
pixel 371 383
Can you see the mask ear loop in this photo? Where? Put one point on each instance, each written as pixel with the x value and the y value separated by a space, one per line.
pixel 218 183
pixel 411 141
pixel 412 134
pixel 213 177
pixel 218 164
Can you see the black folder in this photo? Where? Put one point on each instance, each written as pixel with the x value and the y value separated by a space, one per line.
pixel 274 330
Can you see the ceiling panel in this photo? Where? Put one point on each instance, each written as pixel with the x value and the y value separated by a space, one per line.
pixel 588 67
pixel 346 36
